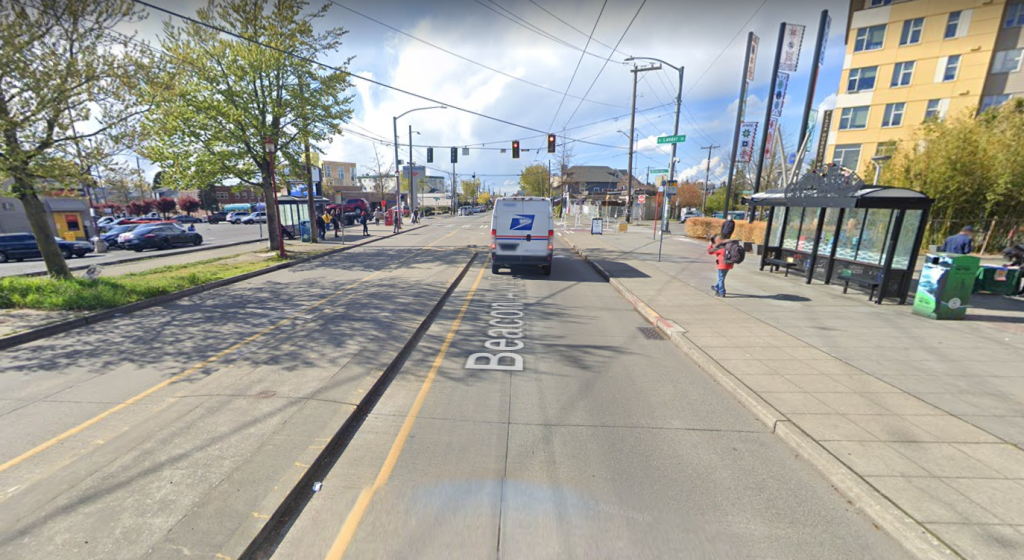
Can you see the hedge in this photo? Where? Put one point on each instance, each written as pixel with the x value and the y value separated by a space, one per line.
pixel 704 228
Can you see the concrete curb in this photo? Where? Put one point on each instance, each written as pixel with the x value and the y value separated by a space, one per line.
pixel 39 333
pixel 146 257
pixel 902 527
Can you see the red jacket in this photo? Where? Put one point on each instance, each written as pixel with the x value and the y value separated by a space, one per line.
pixel 719 252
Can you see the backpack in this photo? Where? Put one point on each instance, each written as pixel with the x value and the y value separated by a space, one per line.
pixel 734 252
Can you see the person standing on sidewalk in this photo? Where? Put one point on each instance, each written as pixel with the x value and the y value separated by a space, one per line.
pixel 335 223
pixel 961 243
pixel 365 220
pixel 378 215
pixel 321 227
pixel 718 249
pixel 397 221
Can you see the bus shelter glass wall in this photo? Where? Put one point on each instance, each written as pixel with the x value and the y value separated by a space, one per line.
pixel 792 230
pixel 805 242
pixel 874 236
pixel 775 240
pixel 905 246
pixel 828 231
pixel 849 235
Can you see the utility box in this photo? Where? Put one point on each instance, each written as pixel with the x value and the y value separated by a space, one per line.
pixel 947 281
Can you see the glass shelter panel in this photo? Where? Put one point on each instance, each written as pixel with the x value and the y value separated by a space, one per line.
pixel 828 231
pixel 873 239
pixel 793 227
pixel 905 244
pixel 776 237
pixel 806 240
pixel 849 235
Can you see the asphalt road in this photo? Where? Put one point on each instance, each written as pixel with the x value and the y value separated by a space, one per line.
pixel 591 440
pixel 213 235
pixel 175 431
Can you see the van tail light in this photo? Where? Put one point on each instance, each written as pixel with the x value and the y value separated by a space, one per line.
pixel 494 234
pixel 551 240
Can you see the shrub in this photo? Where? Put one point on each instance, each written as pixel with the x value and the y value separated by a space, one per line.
pixel 704 228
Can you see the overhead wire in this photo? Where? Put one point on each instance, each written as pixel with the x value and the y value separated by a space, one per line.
pixel 570 26
pixel 524 24
pixel 577 69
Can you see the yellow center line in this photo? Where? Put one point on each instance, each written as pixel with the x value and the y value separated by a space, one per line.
pixel 355 516
pixel 99 417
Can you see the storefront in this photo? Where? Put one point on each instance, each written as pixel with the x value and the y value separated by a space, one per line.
pixel 831 227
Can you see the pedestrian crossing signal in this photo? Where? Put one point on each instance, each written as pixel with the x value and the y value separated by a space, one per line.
pixel 515 149
pixel 455 155
pixel 551 143
pixel 430 155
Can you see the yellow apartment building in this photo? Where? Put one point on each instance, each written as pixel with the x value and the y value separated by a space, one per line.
pixel 912 60
pixel 339 178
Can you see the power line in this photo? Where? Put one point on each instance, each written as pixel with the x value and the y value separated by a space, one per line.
pixel 463 58
pixel 346 72
pixel 605 63
pixel 570 26
pixel 578 62
pixel 526 25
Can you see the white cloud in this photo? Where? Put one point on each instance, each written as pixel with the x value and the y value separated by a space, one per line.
pixel 700 171
pixel 828 103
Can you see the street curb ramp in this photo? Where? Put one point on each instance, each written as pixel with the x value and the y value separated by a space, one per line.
pixel 61 327
pixel 901 526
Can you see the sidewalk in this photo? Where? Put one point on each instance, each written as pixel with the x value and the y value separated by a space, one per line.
pixel 890 406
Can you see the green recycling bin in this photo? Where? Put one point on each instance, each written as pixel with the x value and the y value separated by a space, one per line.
pixel 998 280
pixel 947 281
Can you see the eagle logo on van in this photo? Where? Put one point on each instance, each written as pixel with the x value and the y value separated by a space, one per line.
pixel 522 222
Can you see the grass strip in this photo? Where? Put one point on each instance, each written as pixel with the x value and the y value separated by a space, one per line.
pixel 79 294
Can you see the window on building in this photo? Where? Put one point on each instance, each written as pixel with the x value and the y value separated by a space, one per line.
pixel 990 101
pixel 7 206
pixel 222 195
pixel 893 115
pixel 886 148
pixel 953 24
pixel 878 3
pixel 869 38
pixel 952 67
pixel 854 118
pixel 1007 61
pixel 912 29
pixel 327 171
pixel 1014 15
pixel 902 74
pixel 861 79
pixel 936 109
pixel 846 155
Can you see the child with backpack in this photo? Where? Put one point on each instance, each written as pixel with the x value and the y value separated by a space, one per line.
pixel 727 252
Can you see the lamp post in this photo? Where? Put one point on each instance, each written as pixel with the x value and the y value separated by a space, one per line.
pixel 271 147
pixel 412 184
pixel 398 170
pixel 879 162
pixel 675 129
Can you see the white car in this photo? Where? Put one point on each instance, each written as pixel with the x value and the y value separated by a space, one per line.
pixel 522 233
pixel 260 217
pixel 236 217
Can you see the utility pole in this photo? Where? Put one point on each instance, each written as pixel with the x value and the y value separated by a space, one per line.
pixel 707 177
pixel 632 134
pixel 412 187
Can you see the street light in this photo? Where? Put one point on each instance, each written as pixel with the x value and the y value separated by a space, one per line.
pixel 412 185
pixel 271 147
pixel 879 162
pixel 675 129
pixel 398 172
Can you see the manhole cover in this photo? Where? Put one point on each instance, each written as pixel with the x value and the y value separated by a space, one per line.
pixel 265 394
pixel 651 333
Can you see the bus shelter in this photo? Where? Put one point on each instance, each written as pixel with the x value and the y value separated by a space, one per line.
pixel 295 212
pixel 832 227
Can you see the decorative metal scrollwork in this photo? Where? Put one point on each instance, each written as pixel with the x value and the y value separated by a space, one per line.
pixel 832 182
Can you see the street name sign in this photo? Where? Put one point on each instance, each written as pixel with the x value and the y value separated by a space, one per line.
pixel 659 171
pixel 672 140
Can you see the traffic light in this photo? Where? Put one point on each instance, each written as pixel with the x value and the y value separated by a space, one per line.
pixel 515 149
pixel 551 143
pixel 430 155
pixel 455 155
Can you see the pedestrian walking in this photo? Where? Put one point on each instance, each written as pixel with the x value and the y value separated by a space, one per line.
pixel 335 223
pixel 378 215
pixel 321 227
pixel 365 220
pixel 397 221
pixel 960 243
pixel 717 248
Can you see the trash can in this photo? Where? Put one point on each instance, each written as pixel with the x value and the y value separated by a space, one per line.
pixel 997 280
pixel 947 281
pixel 304 231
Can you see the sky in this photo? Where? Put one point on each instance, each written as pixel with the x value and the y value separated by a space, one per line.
pixel 522 61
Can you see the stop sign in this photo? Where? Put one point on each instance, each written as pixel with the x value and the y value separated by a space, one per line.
pixel 641 198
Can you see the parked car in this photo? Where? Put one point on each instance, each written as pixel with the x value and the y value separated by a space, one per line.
pixel 260 217
pixel 110 237
pixel 236 217
pixel 690 214
pixel 104 221
pixel 158 236
pixel 21 246
pixel 217 217
pixel 186 219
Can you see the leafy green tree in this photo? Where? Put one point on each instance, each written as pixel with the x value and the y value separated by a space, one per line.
pixel 533 180
pixel 67 77
pixel 218 98
pixel 470 189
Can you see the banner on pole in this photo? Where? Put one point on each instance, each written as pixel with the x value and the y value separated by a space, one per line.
pixel 824 41
pixel 826 123
pixel 752 58
pixel 770 137
pixel 794 39
pixel 779 97
pixel 748 133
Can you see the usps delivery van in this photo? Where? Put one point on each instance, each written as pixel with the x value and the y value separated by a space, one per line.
pixel 522 233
